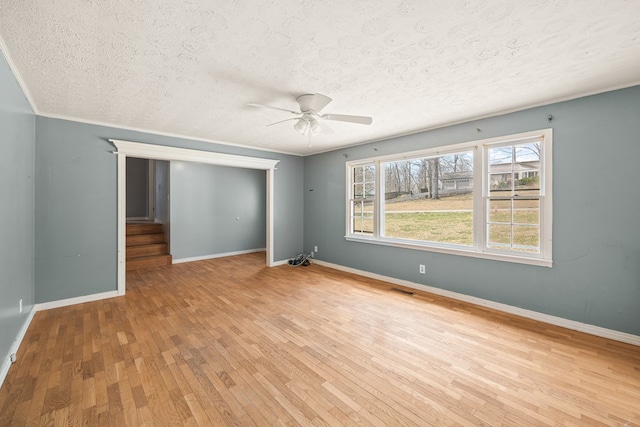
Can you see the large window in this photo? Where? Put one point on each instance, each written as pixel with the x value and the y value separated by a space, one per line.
pixel 429 198
pixel 489 199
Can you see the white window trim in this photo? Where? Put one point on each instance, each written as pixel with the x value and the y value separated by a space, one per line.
pixel 478 250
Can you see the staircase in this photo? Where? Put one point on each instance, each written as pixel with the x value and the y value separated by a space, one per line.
pixel 146 246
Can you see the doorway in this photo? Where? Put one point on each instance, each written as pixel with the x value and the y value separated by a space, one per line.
pixel 141 174
pixel 126 149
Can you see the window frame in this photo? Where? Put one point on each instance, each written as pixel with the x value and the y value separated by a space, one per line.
pixel 479 248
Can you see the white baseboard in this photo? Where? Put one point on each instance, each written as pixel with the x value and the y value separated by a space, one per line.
pixel 530 314
pixel 281 262
pixel 76 300
pixel 201 258
pixel 4 369
pixel 6 364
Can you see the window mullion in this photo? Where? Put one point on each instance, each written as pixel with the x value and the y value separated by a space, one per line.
pixel 378 210
pixel 480 198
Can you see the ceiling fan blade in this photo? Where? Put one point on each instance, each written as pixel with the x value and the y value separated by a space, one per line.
pixel 282 121
pixel 325 129
pixel 319 101
pixel 273 108
pixel 346 118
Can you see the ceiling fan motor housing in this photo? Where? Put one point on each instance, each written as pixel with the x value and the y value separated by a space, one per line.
pixel 305 102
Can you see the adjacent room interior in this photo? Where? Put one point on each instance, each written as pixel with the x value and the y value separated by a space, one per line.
pixel 462 177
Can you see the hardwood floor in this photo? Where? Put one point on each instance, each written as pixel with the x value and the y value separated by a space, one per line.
pixel 230 342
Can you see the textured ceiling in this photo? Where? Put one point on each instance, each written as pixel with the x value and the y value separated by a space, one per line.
pixel 190 67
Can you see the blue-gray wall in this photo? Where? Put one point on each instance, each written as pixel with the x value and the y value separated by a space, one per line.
pixel 595 277
pixel 17 136
pixel 162 188
pixel 76 214
pixel 216 209
pixel 137 188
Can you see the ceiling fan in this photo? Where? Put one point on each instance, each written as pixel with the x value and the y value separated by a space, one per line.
pixel 309 117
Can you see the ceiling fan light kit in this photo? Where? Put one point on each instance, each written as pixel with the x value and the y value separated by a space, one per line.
pixel 309 120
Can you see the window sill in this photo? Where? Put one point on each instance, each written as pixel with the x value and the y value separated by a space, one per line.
pixel 453 251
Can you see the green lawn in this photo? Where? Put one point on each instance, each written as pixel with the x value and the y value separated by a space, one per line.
pixel 445 227
pixel 450 220
pixel 457 227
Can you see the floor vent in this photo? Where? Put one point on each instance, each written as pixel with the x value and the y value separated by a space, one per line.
pixel 402 291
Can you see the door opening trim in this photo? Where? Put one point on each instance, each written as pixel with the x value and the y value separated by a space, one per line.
pixel 159 152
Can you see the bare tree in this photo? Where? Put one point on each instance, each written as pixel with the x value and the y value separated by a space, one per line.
pixel 435 177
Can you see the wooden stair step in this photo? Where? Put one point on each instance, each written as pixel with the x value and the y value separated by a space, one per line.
pixel 148 261
pixel 144 239
pixel 147 250
pixel 144 228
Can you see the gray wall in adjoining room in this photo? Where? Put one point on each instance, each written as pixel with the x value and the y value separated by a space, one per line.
pixel 17 133
pixel 595 278
pixel 76 212
pixel 216 210
pixel 162 188
pixel 137 188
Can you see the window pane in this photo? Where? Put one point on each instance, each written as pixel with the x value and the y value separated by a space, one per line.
pixel 358 191
pixel 442 227
pixel 500 211
pixel 527 178
pixel 362 216
pixel 500 184
pixel 500 156
pixel 358 174
pixel 430 199
pixel 526 238
pixel 369 190
pixel 361 207
pixel 526 211
pixel 363 225
pixel 529 152
pixel 370 173
pixel 499 236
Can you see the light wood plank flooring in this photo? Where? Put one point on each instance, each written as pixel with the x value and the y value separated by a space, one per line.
pixel 230 342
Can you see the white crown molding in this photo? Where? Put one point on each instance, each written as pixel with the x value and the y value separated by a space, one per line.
pixel 481 117
pixel 160 133
pixel 17 75
pixel 161 152
pixel 529 314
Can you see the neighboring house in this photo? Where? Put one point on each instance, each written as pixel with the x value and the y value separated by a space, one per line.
pixel 456 181
pixel 500 175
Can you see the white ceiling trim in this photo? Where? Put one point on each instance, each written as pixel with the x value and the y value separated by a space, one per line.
pixel 172 135
pixel 486 116
pixel 14 69
pixel 161 152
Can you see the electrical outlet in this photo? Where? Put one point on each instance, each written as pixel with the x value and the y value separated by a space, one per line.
pixel 423 269
pixel 315 249
pixel 13 357
pixel 20 305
